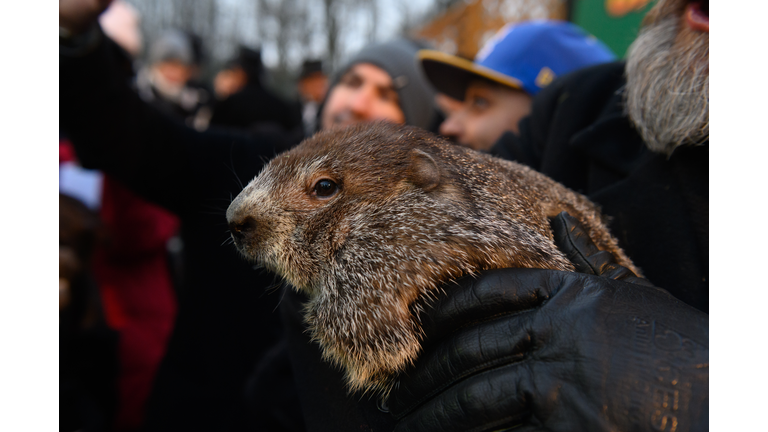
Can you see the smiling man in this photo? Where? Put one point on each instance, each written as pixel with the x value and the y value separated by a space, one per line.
pixel 381 82
pixel 497 89
pixel 363 92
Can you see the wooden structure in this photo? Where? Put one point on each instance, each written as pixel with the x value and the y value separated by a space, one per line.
pixel 466 26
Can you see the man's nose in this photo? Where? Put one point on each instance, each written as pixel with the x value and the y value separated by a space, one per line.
pixel 452 126
pixel 361 102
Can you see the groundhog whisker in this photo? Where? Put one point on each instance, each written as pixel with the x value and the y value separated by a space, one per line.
pixel 274 286
pixel 224 201
pixel 214 211
pixel 282 296
pixel 231 169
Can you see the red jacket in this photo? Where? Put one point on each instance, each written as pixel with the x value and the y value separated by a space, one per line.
pixel 132 271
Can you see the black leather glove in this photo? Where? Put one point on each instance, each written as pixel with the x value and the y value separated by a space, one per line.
pixel 529 349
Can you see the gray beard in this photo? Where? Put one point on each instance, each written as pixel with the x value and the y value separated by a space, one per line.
pixel 667 93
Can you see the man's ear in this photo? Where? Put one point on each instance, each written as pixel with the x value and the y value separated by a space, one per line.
pixel 423 171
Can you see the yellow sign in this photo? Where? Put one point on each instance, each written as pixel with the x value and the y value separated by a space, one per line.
pixel 619 8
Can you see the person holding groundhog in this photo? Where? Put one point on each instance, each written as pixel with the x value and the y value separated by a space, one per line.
pixel 590 351
pixel 562 351
pixel 569 352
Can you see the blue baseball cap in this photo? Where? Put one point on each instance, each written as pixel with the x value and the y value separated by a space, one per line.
pixel 525 56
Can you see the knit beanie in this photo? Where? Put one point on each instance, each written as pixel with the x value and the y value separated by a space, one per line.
pixel 398 59
pixel 171 45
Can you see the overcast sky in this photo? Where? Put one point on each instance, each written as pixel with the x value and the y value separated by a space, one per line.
pixel 355 31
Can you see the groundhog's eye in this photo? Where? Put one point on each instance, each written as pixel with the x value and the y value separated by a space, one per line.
pixel 325 188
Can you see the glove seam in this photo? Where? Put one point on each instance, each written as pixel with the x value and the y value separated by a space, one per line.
pixel 578 252
pixel 494 317
pixel 505 314
pixel 499 423
pixel 475 371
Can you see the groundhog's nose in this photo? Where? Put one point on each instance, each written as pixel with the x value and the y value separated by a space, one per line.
pixel 241 228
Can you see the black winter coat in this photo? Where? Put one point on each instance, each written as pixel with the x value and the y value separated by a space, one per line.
pixel 227 316
pixel 254 108
pixel 578 134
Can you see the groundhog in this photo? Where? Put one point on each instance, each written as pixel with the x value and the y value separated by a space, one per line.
pixel 371 220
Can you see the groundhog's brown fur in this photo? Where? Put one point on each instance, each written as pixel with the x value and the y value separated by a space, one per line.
pixel 410 213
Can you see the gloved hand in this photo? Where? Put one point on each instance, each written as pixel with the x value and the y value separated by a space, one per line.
pixel 76 16
pixel 535 349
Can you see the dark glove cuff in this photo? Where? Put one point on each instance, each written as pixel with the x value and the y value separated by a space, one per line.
pixel 664 383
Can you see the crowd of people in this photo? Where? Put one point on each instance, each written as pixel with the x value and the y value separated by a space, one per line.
pixel 165 327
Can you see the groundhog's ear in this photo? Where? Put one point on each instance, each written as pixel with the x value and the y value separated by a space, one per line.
pixel 423 171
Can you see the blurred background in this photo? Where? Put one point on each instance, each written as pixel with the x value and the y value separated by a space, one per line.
pixel 254 65
pixel 289 31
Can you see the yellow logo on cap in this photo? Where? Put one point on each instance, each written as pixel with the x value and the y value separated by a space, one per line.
pixel 546 76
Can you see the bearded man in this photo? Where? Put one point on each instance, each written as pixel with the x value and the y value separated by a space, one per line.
pixel 600 350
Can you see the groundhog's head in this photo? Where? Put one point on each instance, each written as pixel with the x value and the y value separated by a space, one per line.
pixel 296 215
pixel 367 220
